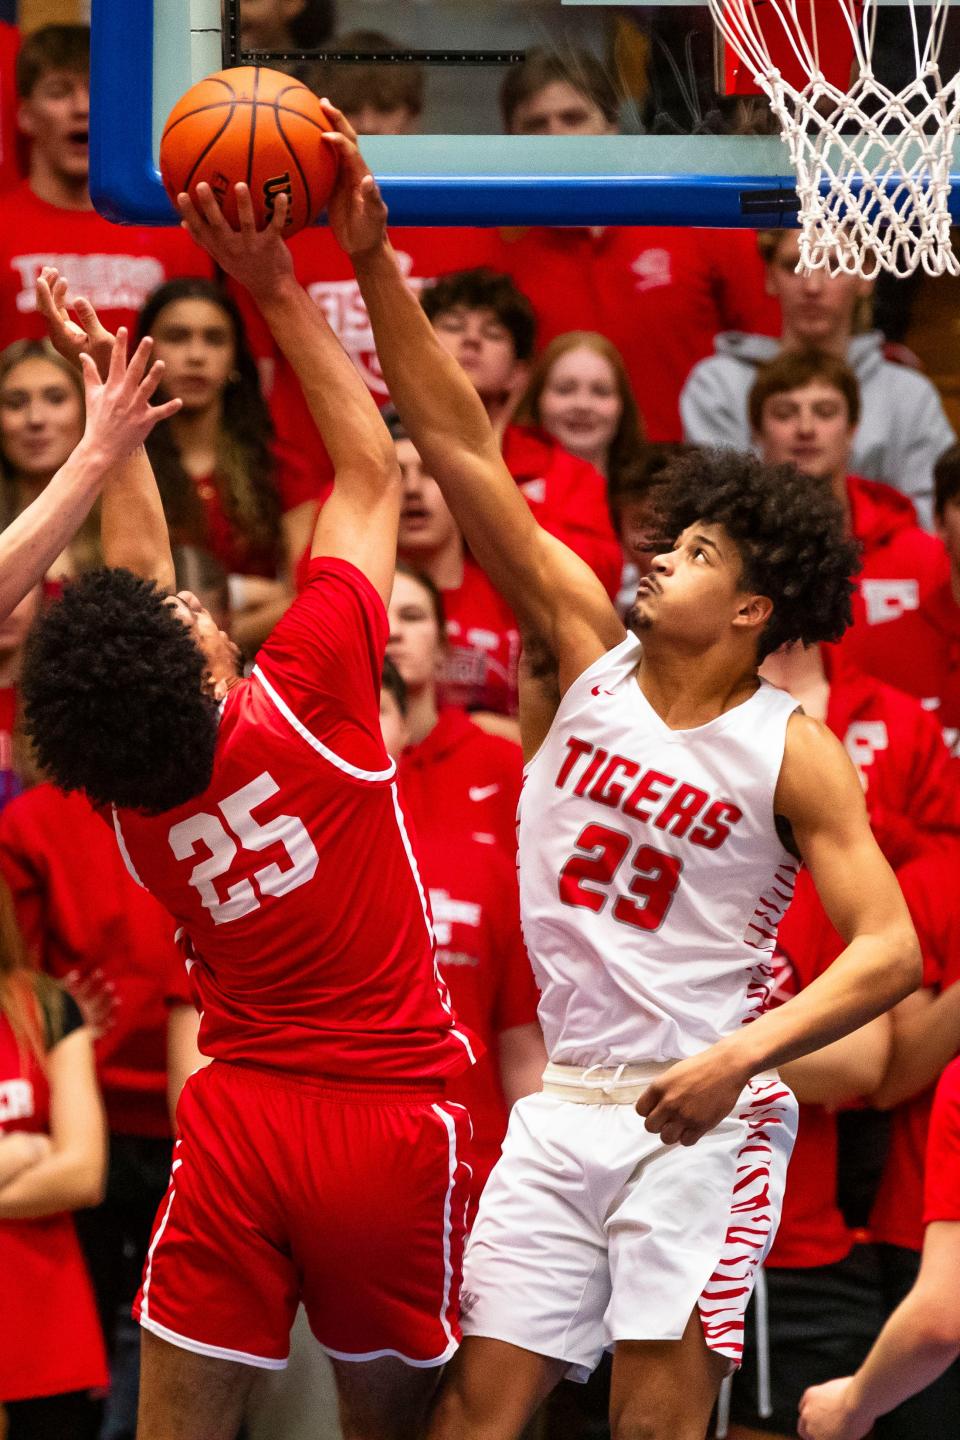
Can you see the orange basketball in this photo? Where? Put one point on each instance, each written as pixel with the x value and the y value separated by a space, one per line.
pixel 253 125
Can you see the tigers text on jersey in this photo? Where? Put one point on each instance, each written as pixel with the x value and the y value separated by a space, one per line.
pixel 652 878
pixel 292 875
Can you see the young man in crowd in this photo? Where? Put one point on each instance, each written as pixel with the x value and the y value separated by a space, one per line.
pixel 804 410
pixel 49 219
pixel 570 1253
pixel 671 286
pixel 383 98
pixel 919 652
pixel 901 428
pixel 484 321
pixel 482 651
pixel 243 805
pixel 922 1338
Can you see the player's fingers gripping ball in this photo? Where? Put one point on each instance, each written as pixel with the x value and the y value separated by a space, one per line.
pixel 253 125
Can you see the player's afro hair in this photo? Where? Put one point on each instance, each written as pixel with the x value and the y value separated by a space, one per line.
pixel 789 530
pixel 113 697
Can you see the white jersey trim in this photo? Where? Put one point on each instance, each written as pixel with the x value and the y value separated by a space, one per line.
pixel 216 1352
pixel 124 852
pixel 148 1271
pixel 442 991
pixel 354 771
pixel 451 1130
pixel 357 1358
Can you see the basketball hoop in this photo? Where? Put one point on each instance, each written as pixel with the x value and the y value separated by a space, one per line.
pixel 872 164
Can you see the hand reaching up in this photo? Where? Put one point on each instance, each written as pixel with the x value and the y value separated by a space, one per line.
pixel 69 338
pixel 119 413
pixel 355 210
pixel 259 259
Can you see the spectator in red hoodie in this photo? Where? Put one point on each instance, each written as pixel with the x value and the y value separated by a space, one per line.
pixel 49 219
pixel 489 327
pixel 804 408
pixel 920 651
pixel 827 1293
pixel 476 917
pixel 482 652
pixel 456 778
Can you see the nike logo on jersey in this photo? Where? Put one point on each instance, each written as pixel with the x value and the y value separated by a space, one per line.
pixel 599 690
pixel 482 792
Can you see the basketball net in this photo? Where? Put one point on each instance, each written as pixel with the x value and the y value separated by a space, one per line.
pixel 872 164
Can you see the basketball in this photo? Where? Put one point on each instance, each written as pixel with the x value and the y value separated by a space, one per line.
pixel 254 125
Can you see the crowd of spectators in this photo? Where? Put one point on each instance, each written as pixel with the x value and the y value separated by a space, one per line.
pixel 599 355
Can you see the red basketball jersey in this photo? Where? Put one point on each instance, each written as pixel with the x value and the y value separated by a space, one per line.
pixel 292 876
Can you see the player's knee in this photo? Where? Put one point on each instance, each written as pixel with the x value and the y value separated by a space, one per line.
pixel 638 1420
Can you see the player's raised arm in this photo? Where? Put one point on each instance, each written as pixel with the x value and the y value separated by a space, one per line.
pixel 359 521
pixel 119 417
pixel 551 590
pixel 133 527
pixel 821 797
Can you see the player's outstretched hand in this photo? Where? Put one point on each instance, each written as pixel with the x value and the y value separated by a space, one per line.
pixel 259 259
pixel 355 210
pixel 827 1413
pixel 692 1097
pixel 71 339
pixel 119 413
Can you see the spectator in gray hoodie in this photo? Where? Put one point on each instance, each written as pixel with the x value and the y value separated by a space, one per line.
pixel 903 429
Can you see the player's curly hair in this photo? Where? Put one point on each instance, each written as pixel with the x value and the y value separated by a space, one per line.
pixel 113 698
pixel 789 530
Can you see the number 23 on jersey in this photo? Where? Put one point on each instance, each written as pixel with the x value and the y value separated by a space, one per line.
pixel 591 868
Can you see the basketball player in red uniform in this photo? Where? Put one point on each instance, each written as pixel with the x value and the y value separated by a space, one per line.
pixel 598 1228
pixel 317 1156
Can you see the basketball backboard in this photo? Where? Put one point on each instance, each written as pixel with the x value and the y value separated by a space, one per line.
pixel 685 154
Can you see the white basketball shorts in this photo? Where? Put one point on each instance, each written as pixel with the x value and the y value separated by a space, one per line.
pixel 590 1230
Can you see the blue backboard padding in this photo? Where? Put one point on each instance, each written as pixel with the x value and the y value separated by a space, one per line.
pixel 125 184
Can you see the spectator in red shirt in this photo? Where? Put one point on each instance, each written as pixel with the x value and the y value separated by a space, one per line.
pixel 922 1338
pixel 87 924
pixel 52 1162
pixel 804 409
pixel 41 422
pixel 920 651
pixel 48 219
pixel 632 282
pixel 488 326
pixel 227 486
pixel 455 776
pixel 579 392
pixel 482 652
pixel 480 951
pixel 900 428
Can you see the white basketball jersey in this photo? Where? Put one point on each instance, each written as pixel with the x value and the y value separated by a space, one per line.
pixel 652 879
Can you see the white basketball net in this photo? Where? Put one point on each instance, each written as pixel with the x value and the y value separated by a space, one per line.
pixel 872 165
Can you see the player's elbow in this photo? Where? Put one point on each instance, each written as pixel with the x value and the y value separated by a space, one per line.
pixel 904 967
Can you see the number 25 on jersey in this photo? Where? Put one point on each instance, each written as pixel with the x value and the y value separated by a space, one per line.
pixel 222 839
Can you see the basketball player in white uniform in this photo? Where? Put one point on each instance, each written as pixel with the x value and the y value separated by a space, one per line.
pixel 669 796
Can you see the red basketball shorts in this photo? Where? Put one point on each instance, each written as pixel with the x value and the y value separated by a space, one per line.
pixel 349 1198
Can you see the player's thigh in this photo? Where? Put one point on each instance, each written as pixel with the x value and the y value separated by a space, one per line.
pixel 383 1399
pixel 189 1396
pixel 491 1389
pixel 665 1389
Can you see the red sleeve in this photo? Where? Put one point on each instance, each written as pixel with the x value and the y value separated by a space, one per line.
pixel 942 1182
pixel 325 659
pixel 740 279
pixel 23 881
pixel 923 883
pixel 517 995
